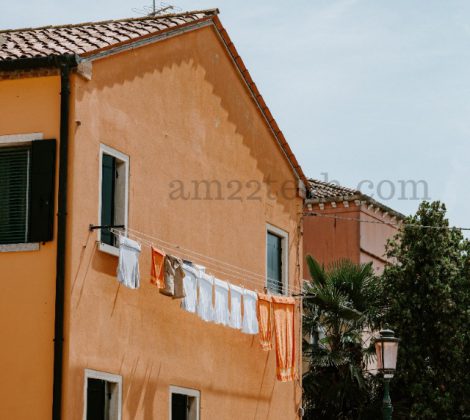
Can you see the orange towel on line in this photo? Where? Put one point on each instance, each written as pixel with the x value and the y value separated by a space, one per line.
pixel 157 273
pixel 284 309
pixel 265 321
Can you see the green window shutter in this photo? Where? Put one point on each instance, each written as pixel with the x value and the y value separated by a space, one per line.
pixel 43 154
pixel 179 407
pixel 14 194
pixel 96 397
pixel 274 244
pixel 108 186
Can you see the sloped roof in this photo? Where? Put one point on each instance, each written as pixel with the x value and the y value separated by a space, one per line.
pixel 327 192
pixel 85 38
pixel 89 39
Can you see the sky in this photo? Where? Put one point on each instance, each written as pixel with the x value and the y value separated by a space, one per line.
pixel 368 93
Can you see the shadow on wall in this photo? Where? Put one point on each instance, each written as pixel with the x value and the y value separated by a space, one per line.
pixel 191 64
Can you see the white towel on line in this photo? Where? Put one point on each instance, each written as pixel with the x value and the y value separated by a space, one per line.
pixel 221 313
pixel 128 266
pixel 235 306
pixel 250 319
pixel 190 288
pixel 205 309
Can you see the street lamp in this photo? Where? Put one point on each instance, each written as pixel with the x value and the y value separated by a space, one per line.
pixel 386 348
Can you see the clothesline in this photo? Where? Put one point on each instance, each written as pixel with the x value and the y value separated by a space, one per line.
pixel 240 272
pixel 214 267
pixel 383 222
pixel 238 269
pixel 173 248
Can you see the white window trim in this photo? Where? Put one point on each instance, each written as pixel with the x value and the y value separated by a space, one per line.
pixel 19 140
pixel 15 139
pixel 285 255
pixel 109 377
pixel 190 393
pixel 28 246
pixel 121 156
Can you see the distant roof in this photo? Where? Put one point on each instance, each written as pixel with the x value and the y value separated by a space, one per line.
pixel 327 192
pixel 90 37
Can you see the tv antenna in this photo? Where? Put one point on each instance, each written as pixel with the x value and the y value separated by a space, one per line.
pixel 156 10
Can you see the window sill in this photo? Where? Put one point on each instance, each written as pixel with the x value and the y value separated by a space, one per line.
pixel 32 246
pixel 108 249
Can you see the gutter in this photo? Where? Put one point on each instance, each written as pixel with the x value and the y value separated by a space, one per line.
pixel 65 64
pixel 70 60
pixel 363 198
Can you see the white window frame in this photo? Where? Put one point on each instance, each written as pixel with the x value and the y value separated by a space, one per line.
pixel 108 377
pixel 19 140
pixel 285 256
pixel 190 393
pixel 104 149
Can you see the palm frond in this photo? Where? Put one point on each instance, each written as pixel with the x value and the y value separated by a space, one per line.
pixel 316 271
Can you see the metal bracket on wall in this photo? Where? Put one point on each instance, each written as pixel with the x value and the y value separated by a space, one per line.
pixel 94 227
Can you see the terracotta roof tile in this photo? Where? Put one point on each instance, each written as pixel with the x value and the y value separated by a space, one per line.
pixel 327 190
pixel 86 38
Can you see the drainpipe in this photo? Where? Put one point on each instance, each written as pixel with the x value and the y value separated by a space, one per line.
pixel 65 63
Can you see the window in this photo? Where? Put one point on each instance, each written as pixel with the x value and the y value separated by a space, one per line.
pixel 184 403
pixel 114 174
pixel 276 260
pixel 103 395
pixel 27 172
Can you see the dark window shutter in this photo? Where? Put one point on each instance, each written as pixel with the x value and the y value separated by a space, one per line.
pixel 108 184
pixel 14 194
pixel 179 407
pixel 274 263
pixel 42 190
pixel 96 390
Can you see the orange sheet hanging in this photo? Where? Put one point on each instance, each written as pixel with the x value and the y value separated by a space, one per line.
pixel 157 272
pixel 284 332
pixel 265 321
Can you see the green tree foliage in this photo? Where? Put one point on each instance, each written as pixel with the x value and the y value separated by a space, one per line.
pixel 343 302
pixel 428 306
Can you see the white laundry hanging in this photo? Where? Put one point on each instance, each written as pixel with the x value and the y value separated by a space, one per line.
pixel 128 266
pixel 235 306
pixel 189 303
pixel 205 309
pixel 221 312
pixel 250 319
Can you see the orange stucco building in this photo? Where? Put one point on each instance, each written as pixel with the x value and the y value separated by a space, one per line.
pixel 170 102
pixel 343 223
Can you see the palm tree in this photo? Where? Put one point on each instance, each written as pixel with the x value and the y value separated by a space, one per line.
pixel 342 302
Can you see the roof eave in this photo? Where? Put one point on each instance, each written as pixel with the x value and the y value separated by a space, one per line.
pixel 71 60
pixel 356 197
